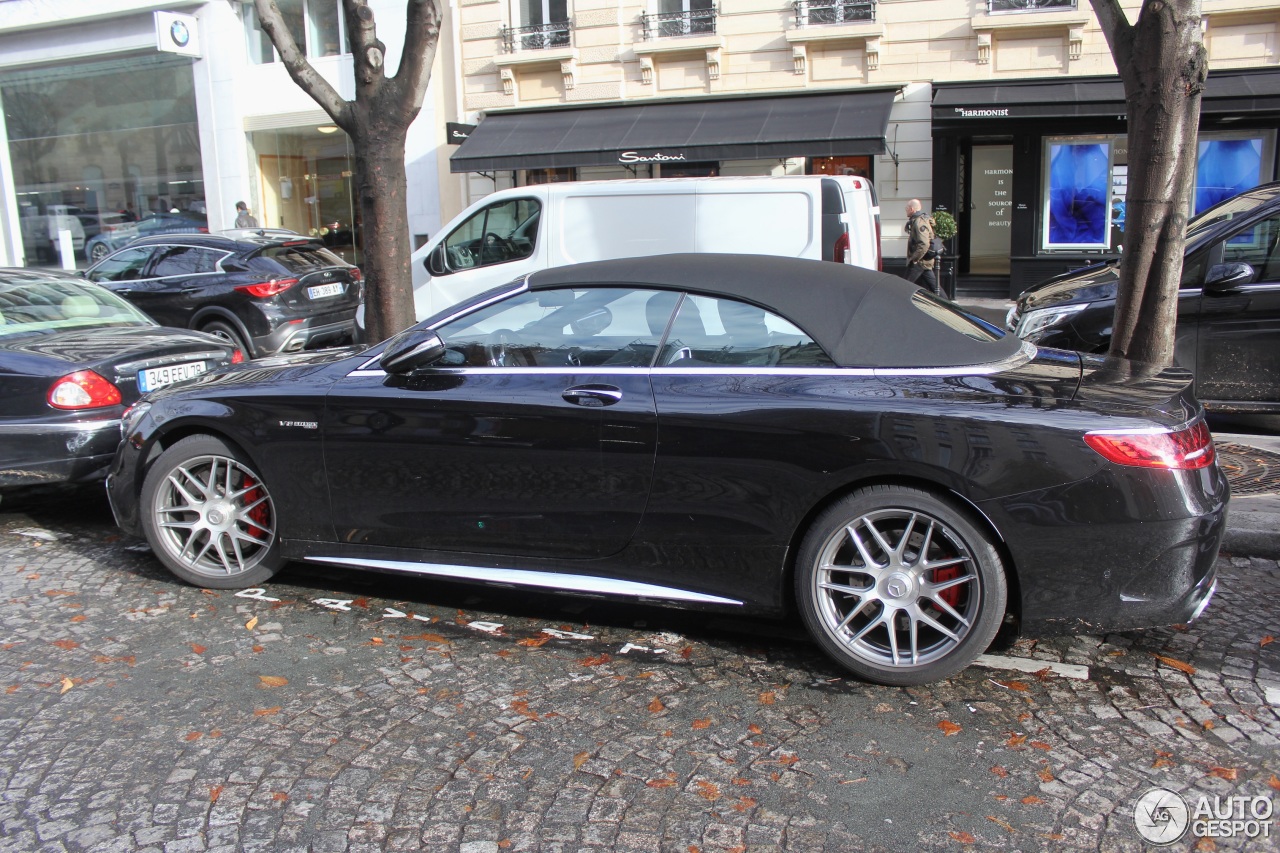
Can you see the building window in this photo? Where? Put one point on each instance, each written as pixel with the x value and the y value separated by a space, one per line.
pixel 545 24
pixel 817 12
pixel 316 25
pixel 997 6
pixel 675 18
pixel 1086 182
pixel 549 176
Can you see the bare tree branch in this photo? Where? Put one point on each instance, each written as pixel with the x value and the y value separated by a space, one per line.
pixel 367 53
pixel 295 62
pixel 415 65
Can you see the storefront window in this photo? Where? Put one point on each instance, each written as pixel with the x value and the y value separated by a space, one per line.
pixel 550 176
pixel 307 182
pixel 860 166
pixel 104 143
pixel 1086 184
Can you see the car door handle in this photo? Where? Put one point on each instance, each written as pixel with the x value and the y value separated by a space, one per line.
pixel 592 395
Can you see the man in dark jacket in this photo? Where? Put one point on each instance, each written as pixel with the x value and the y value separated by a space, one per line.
pixel 919 242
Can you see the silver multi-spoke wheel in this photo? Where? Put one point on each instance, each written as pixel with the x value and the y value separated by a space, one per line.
pixel 899 586
pixel 210 517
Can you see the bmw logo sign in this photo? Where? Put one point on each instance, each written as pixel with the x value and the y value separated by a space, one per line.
pixel 179 33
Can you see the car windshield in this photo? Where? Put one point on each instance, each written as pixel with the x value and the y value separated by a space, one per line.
pixel 1223 211
pixel 39 305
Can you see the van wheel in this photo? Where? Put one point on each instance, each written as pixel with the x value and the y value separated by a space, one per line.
pixel 899 586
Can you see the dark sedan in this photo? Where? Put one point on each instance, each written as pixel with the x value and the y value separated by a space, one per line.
pixel 1228 305
pixel 123 233
pixel 708 431
pixel 263 291
pixel 72 357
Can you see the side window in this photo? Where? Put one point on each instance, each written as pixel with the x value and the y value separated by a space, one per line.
pixel 617 327
pixel 184 260
pixel 126 265
pixel 502 232
pixel 1193 270
pixel 1257 246
pixel 710 332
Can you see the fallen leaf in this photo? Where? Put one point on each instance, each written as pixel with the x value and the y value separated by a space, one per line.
pixel 504 843
pixel 1053 836
pixel 66 645
pixel 1032 800
pixel 1043 674
pixel 656 706
pixel 744 803
pixel 375 641
pixel 661 783
pixel 1208 725
pixel 1014 685
pixel 427 638
pixel 521 707
pixel 503 653
pixel 279 796
pixel 1000 771
pixel 273 680
pixel 1274 782
pixel 534 642
pixel 1161 762
pixel 193 736
pixel 963 837
pixel 788 759
pixel 14 688
pixel 686 652
pixel 1039 744
pixel 267 712
pixel 1206 844
pixel 755 730
pixel 1045 774
pixel 214 793
pixel 949 728
pixel 1228 773
pixel 702 724
pixel 1267 640
pixel 595 661
pixel 708 791
pixel 1016 740
pixel 740 781
pixel 580 759
pixel 1002 824
pixel 80 617
pixel 1176 664
pixel 67 684
pixel 257 650
pixel 768 697
pixel 198 649
pixel 251 624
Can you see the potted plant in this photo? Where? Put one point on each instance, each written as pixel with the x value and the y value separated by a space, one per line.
pixel 944 227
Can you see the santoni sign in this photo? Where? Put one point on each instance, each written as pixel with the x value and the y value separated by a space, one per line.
pixel 655 157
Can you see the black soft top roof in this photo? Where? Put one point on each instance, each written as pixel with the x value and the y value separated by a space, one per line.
pixel 861 318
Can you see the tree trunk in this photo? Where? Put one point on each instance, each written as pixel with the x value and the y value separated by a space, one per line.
pixel 1161 60
pixel 380 186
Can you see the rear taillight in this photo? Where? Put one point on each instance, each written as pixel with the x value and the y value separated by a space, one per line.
pixel 267 288
pixel 83 389
pixel 841 253
pixel 237 357
pixel 355 274
pixel 1186 449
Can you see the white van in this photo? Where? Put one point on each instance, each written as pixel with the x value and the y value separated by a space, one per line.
pixel 517 231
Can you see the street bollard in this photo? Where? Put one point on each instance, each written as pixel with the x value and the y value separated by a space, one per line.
pixel 66 250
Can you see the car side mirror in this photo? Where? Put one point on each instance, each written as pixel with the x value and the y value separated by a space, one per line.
pixel 1227 276
pixel 436 264
pixel 410 350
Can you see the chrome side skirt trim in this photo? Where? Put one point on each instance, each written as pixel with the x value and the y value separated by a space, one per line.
pixel 526 577
pixel 81 426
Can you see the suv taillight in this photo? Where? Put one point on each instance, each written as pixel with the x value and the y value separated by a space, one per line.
pixel 355 274
pixel 1183 450
pixel 264 289
pixel 841 253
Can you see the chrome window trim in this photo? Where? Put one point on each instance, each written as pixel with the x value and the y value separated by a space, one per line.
pixel 529 577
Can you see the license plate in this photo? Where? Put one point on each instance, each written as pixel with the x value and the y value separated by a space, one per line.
pixel 158 377
pixel 320 291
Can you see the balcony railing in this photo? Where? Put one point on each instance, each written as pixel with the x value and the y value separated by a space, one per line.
pixel 536 37
pixel 818 12
pixel 695 22
pixel 997 6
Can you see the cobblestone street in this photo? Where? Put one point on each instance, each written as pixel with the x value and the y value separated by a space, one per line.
pixel 336 711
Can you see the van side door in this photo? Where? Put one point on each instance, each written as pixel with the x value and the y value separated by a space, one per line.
pixel 494 245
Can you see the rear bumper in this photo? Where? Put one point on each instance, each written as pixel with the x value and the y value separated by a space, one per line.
pixel 56 452
pixel 310 333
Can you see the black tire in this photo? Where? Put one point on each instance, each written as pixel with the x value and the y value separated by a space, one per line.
pixel 874 604
pixel 228 332
pixel 219 527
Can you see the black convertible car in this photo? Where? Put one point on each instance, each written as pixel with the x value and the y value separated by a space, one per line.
pixel 736 433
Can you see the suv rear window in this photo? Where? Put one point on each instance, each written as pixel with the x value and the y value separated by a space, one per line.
pixel 297 260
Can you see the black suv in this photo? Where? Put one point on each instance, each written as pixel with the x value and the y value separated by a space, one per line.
pixel 266 293
pixel 1228 304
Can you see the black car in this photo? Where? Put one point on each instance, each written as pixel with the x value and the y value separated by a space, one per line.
pixel 121 233
pixel 265 293
pixel 711 431
pixel 1228 305
pixel 72 357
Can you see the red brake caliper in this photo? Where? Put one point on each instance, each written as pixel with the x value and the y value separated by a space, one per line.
pixel 259 513
pixel 950 596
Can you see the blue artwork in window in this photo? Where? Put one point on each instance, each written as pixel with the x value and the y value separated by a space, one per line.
pixel 1226 167
pixel 1079 177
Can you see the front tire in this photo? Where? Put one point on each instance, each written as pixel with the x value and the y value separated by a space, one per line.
pixel 228 333
pixel 899 586
pixel 209 516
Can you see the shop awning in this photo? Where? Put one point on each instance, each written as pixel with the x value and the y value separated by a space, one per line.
pixel 1236 92
pixel 821 125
